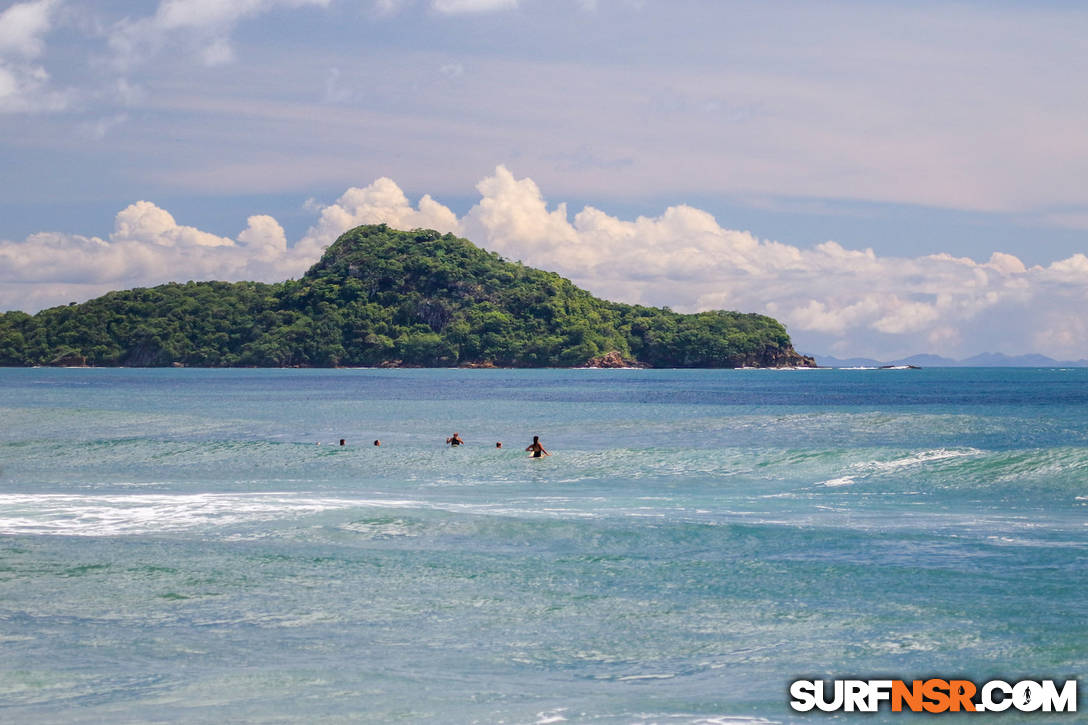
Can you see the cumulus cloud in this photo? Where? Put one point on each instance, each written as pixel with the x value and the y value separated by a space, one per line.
pixel 382 202
pixel 143 222
pixel 147 246
pixel 832 299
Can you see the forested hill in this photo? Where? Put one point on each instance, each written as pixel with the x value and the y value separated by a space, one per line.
pixel 384 297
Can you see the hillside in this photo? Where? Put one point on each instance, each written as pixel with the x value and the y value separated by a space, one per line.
pixel 379 296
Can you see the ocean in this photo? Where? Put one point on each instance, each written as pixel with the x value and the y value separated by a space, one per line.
pixel 190 545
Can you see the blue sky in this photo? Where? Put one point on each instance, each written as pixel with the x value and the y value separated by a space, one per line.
pixel 885 178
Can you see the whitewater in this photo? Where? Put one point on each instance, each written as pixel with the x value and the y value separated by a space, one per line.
pixel 190 545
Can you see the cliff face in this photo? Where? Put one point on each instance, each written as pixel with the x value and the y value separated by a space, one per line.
pixel 379 296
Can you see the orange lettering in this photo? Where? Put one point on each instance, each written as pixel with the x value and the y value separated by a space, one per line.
pixel 911 695
pixel 962 691
pixel 936 691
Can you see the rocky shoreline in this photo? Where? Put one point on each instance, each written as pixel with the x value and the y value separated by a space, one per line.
pixel 769 358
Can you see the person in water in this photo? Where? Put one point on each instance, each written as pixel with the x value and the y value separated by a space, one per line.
pixel 536 449
pixel 455 440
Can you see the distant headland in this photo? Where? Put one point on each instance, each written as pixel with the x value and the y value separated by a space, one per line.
pixel 389 298
pixel 983 360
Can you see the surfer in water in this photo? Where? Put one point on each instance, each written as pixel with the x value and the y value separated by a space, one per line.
pixel 536 448
pixel 455 440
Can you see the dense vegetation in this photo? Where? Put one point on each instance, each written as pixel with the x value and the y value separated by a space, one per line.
pixel 381 296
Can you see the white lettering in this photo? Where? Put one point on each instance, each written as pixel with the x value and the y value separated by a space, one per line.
pixel 993 696
pixel 821 698
pixel 1064 701
pixel 988 702
pixel 854 695
pixel 803 693
pixel 879 690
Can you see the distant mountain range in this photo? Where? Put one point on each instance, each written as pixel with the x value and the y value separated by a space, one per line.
pixel 983 360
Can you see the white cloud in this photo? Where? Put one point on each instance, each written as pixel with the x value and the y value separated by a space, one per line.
pixel 22 26
pixel 844 300
pixel 143 222
pixel 9 85
pixel 1072 271
pixel 147 246
pixel 217 15
pixel 382 202
pixel 451 7
pixel 827 294
pixel 202 14
pixel 203 25
pixel 387 7
pixel 24 84
pixel 265 237
pixel 26 88
pixel 217 52
pixel 447 7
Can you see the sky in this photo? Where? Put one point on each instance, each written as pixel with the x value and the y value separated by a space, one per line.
pixel 885 178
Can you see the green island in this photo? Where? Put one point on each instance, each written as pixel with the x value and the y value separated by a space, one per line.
pixel 383 297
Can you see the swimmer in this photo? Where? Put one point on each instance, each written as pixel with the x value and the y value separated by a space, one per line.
pixel 498 444
pixel 536 448
pixel 377 443
pixel 342 441
pixel 455 440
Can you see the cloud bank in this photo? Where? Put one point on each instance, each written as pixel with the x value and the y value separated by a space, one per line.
pixel 832 299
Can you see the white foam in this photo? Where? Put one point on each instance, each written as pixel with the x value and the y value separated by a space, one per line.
pixel 844 481
pixel 628 678
pixel 381 529
pixel 914 459
pixel 707 719
pixel 129 514
pixel 114 515
pixel 936 454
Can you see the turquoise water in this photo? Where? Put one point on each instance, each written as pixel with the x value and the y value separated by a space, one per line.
pixel 176 546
